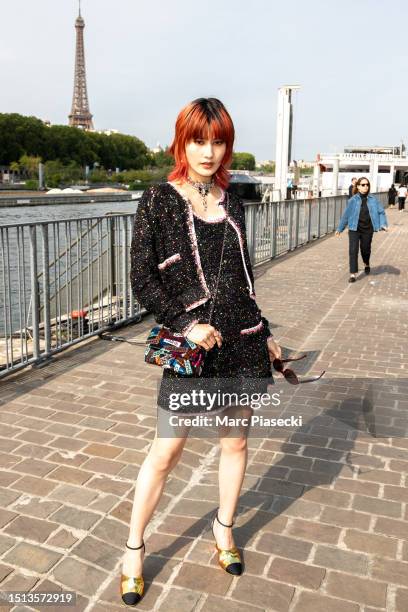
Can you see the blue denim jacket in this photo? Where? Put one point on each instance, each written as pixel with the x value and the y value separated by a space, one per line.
pixel 352 213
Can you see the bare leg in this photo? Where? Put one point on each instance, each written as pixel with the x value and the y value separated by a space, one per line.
pixel 233 461
pixel 163 456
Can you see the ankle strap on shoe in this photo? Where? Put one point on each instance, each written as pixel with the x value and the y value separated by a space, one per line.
pixel 223 524
pixel 133 548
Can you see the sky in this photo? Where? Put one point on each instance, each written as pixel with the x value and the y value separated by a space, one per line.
pixel 146 59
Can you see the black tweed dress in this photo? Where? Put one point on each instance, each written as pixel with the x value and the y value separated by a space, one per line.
pixel 243 355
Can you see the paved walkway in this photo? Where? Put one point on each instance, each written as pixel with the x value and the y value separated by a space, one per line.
pixel 322 517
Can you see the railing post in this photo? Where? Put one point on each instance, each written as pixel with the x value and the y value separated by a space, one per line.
pixel 327 215
pixel 112 254
pixel 249 223
pixel 4 290
pixel 129 227
pixel 46 287
pixel 296 204
pixel 309 219
pixel 290 225
pixel 253 233
pixel 319 206
pixel 35 300
pixel 125 268
pixel 274 216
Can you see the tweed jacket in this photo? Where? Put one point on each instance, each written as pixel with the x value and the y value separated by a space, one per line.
pixel 165 273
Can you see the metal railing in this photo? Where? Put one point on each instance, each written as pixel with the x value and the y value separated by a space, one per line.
pixel 279 227
pixel 64 281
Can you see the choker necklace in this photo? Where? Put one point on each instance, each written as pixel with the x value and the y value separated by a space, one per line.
pixel 202 188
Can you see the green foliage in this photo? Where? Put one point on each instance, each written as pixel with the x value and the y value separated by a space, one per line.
pixel 30 165
pixel 28 136
pixel 243 161
pixel 268 168
pixel 99 176
pixel 31 184
pixel 57 173
pixel 65 151
pixel 135 178
pixel 20 136
pixel 162 159
pixel 138 186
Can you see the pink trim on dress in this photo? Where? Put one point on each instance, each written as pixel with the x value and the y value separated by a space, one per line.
pixel 222 198
pixel 241 246
pixel 195 304
pixel 212 219
pixel 168 261
pixel 193 239
pixel 252 330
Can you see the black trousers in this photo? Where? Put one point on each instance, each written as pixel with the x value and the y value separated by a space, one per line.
pixel 356 239
pixel 401 203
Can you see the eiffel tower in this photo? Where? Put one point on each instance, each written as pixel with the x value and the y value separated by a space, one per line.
pixel 80 116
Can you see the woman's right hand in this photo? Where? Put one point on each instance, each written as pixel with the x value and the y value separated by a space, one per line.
pixel 205 335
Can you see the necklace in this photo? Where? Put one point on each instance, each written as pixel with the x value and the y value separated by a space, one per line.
pixel 202 188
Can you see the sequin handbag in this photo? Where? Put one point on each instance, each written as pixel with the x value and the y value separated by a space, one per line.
pixel 171 350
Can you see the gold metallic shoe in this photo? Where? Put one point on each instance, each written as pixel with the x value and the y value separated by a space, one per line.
pixel 132 588
pixel 228 558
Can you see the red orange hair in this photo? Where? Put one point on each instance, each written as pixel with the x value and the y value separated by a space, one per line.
pixel 202 118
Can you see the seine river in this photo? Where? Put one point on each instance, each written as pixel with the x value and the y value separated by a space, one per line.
pixel 54 212
pixel 13 268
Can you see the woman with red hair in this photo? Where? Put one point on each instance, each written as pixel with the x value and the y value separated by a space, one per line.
pixel 189 233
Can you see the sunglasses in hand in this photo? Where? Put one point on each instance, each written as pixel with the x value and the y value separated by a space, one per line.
pixel 289 374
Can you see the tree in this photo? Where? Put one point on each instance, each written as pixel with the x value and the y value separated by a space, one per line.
pixel 30 165
pixel 20 135
pixel 162 159
pixel 15 167
pixel 57 174
pixel 269 168
pixel 243 161
pixel 29 136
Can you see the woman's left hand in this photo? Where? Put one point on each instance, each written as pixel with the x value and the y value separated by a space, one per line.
pixel 274 349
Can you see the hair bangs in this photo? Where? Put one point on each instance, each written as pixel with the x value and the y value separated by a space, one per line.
pixel 204 118
pixel 214 126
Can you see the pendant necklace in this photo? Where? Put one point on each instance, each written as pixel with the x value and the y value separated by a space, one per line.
pixel 203 189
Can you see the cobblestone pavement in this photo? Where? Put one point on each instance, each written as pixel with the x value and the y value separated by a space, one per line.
pixel 323 514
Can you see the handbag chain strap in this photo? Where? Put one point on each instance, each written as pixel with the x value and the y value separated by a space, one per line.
pixel 221 260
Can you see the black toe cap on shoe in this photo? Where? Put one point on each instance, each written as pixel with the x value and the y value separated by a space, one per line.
pixel 235 569
pixel 131 599
pixel 352 279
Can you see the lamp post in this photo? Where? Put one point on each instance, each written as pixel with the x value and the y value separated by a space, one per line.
pixel 284 127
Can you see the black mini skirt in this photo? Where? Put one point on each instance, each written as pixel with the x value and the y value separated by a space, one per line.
pixel 233 372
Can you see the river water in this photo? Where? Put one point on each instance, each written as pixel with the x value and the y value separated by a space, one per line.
pixel 15 253
pixel 55 212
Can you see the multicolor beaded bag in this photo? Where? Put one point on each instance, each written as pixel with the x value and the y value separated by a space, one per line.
pixel 171 350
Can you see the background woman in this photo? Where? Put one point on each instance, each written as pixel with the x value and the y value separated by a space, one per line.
pixel 392 194
pixel 175 254
pixel 364 215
